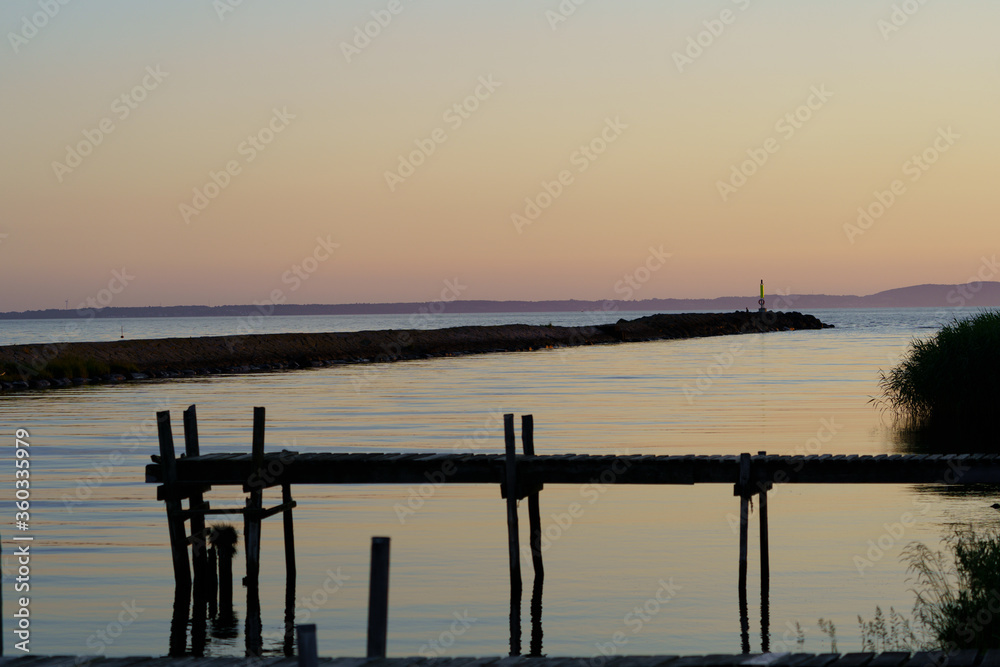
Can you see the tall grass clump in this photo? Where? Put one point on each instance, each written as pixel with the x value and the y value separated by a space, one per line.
pixel 957 598
pixel 951 380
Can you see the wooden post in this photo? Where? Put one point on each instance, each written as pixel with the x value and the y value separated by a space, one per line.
pixel 534 511
pixel 378 598
pixel 254 504
pixel 290 572
pixel 742 489
pixel 212 582
pixel 535 542
pixel 513 554
pixel 744 516
pixel 765 566
pixel 308 653
pixel 289 526
pixel 175 521
pixel 199 555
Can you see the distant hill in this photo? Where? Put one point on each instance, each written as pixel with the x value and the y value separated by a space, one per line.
pixel 983 294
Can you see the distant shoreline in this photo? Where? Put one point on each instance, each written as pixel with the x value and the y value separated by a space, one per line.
pixel 980 294
pixel 41 366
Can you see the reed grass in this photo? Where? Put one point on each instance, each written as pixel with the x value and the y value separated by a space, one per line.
pixel 957 598
pixel 950 380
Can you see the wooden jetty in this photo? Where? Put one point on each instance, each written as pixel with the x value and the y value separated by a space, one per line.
pixel 901 659
pixel 192 475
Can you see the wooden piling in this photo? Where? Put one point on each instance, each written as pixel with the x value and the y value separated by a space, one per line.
pixel 744 517
pixel 513 551
pixel 308 652
pixel 175 518
pixel 289 527
pixel 765 565
pixel 535 541
pixel 254 503
pixel 199 553
pixel 534 510
pixel 378 598
pixel 212 582
pixel 743 491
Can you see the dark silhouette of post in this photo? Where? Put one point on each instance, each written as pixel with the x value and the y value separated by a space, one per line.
pixel 378 598
pixel 308 652
pixel 535 541
pixel 742 490
pixel 513 552
pixel 171 496
pixel 199 554
pixel 765 568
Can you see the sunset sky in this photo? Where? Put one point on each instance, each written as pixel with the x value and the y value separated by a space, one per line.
pixel 200 152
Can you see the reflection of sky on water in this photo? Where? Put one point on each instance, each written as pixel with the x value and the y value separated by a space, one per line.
pixel 449 557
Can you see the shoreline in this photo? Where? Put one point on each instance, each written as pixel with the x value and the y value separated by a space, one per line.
pixel 53 365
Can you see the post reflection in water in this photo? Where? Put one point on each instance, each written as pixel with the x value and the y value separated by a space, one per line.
pixel 222 623
pixel 535 649
pixel 179 622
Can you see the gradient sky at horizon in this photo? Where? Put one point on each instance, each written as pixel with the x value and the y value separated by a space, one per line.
pixel 891 96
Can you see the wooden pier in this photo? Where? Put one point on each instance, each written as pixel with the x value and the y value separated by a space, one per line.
pixel 900 659
pixel 193 475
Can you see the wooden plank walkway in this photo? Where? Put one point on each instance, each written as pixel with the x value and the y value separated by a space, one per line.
pixel 901 659
pixel 415 468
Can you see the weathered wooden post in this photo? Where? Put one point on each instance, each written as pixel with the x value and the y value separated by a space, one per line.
pixel 534 510
pixel 534 540
pixel 290 572
pixel 199 555
pixel 224 540
pixel 765 566
pixel 255 503
pixel 513 551
pixel 171 497
pixel 308 652
pixel 743 491
pixel 378 598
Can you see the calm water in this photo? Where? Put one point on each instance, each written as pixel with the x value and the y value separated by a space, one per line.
pixel 101 538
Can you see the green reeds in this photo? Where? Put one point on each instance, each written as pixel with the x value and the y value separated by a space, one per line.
pixel 957 598
pixel 951 380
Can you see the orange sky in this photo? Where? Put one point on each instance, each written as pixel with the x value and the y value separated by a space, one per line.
pixel 224 154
